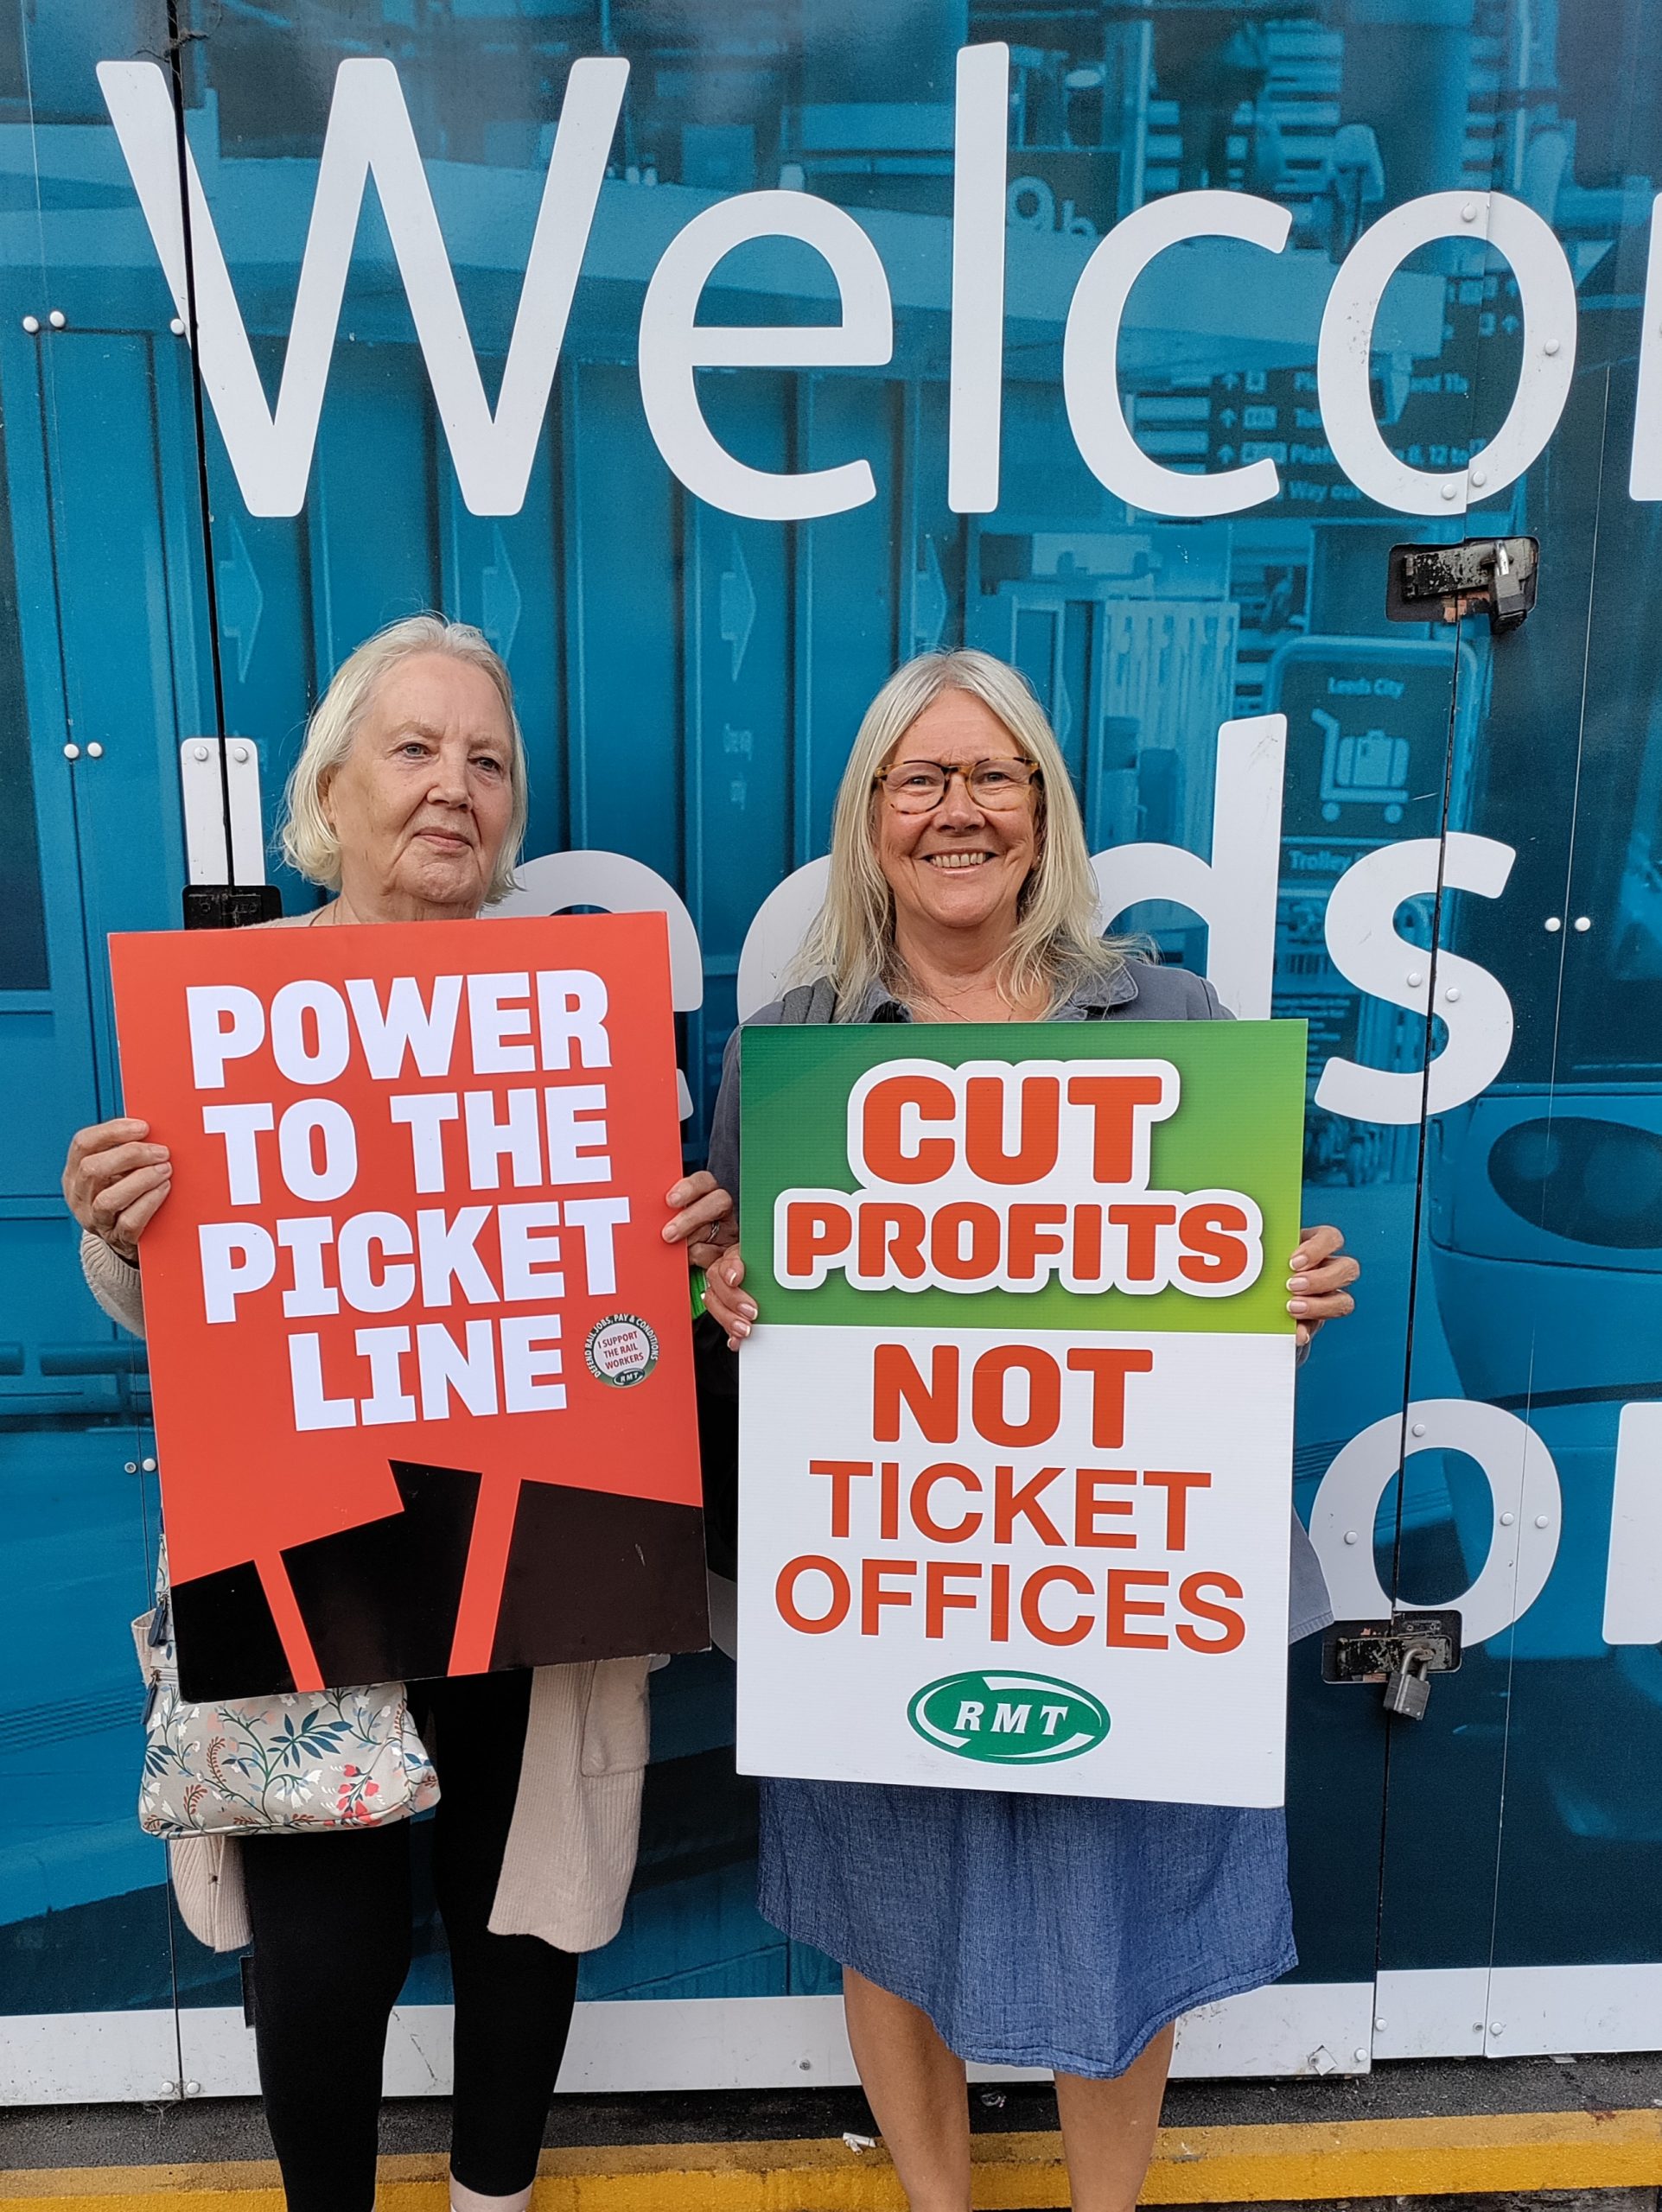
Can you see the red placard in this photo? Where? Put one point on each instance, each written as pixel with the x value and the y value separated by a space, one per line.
pixel 420 1357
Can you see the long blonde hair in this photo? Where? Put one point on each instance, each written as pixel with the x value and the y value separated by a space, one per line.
pixel 1058 938
pixel 308 840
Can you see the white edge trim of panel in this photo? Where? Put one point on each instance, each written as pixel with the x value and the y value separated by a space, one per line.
pixel 1517 2012
pixel 202 796
pixel 720 2043
pixel 1431 2012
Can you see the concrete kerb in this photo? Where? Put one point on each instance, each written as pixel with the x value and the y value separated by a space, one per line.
pixel 1014 2172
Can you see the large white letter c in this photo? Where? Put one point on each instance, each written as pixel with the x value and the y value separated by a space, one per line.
pixel 1090 352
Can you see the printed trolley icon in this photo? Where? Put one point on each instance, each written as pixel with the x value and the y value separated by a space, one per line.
pixel 1370 769
pixel 1009 1719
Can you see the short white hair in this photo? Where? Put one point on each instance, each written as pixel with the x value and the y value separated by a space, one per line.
pixel 308 843
pixel 1058 939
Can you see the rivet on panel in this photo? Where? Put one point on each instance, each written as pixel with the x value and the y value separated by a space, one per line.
pixel 1452 995
pixel 148 1465
pixel 1361 2056
pixel 1350 1536
pixel 1552 925
pixel 239 755
pixel 1451 490
pixel 1415 979
pixel 57 317
pixel 95 751
pixel 1497 2027
pixel 198 753
pixel 31 323
pixel 72 752
pixel 1583 923
pixel 177 325
pixel 1551 346
pixel 1479 477
pixel 1506 1520
pixel 1468 212
pixel 1380 2025
pixel 1542 1521
pixel 130 1468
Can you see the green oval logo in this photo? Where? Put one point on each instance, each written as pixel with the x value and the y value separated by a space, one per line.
pixel 1009 1719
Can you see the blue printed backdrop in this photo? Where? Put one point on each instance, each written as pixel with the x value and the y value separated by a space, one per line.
pixel 690 681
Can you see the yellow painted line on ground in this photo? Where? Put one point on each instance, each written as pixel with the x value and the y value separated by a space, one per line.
pixel 1013 2173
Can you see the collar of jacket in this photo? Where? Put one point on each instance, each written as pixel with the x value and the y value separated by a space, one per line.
pixel 1096 996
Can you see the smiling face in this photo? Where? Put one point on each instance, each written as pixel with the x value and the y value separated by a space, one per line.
pixel 961 868
pixel 422 804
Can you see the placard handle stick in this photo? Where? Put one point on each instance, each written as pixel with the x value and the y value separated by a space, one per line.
pixel 486 1572
pixel 290 1627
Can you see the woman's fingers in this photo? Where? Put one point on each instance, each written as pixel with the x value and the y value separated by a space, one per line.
pixel 701 1208
pixel 102 1160
pixel 1322 1272
pixel 100 1169
pixel 110 1204
pixel 700 1220
pixel 726 1300
pixel 101 1134
pixel 1315 1245
pixel 135 1220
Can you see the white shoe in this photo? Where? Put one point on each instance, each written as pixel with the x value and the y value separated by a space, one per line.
pixel 469 2200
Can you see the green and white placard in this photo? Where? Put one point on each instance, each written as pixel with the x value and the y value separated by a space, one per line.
pixel 1015 1420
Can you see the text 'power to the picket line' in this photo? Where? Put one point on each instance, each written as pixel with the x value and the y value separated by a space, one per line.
pixel 535 1136
pixel 974 1178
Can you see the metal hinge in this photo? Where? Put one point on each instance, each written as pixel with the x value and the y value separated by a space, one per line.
pixel 211 777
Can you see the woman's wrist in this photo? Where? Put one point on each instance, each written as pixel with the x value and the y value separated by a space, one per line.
pixel 128 1256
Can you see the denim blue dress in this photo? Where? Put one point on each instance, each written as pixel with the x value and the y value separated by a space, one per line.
pixel 1060 1932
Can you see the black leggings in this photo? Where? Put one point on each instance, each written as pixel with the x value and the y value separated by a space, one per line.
pixel 331 1916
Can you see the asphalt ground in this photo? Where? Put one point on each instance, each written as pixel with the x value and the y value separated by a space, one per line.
pixel 120 2135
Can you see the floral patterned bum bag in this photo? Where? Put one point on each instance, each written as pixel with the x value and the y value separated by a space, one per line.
pixel 297 1762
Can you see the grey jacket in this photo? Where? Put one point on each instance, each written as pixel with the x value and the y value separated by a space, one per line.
pixel 1136 992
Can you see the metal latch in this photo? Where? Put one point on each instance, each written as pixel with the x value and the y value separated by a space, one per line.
pixel 1402 1653
pixel 1494 576
pixel 219 784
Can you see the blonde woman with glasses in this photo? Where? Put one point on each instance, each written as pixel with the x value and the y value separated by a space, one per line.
pixel 1005 1929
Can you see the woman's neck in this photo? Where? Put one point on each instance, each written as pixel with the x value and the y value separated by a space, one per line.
pixel 390 906
pixel 957 978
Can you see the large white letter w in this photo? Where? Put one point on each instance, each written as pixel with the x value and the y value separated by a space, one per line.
pixel 369 134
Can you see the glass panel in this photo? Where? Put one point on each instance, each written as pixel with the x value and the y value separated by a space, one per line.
pixel 98 673
pixel 1545 1244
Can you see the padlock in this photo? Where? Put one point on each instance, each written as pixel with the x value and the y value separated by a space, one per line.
pixel 1407 1689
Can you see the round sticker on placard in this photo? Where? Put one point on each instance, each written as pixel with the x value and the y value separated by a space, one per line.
pixel 620 1350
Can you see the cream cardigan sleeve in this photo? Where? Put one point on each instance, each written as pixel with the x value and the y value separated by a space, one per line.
pixel 113 1282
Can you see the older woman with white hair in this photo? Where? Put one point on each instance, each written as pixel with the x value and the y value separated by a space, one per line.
pixel 1006 1929
pixel 408 803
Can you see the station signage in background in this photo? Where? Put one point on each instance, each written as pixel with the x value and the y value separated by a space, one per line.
pixel 1367 728
pixel 420 1356
pixel 1275 413
pixel 1016 1438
